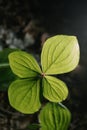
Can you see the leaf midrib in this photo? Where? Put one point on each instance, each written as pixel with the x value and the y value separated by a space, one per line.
pixel 53 62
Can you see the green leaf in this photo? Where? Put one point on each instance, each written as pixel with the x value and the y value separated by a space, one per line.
pixel 33 126
pixel 4 55
pixel 23 64
pixel 6 75
pixel 60 54
pixel 54 89
pixel 54 117
pixel 24 95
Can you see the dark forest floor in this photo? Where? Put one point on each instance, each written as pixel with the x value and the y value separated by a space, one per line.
pixel 36 19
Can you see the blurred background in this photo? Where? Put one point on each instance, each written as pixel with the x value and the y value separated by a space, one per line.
pixel 25 25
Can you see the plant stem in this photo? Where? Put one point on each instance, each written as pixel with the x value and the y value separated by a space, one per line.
pixel 4 65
